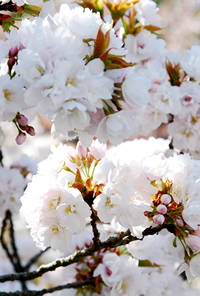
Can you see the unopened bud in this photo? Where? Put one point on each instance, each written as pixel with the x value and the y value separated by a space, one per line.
pixel 91 262
pixel 20 139
pixel 11 62
pixel 90 159
pixel 13 51
pixel 101 255
pixel 31 131
pixel 22 120
pixel 158 219
pixel 166 199
pixel 162 209
pixel 81 150
pixel 179 221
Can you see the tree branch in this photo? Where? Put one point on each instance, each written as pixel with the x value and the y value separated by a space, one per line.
pixel 8 6
pixel 1 158
pixel 74 285
pixel 4 245
pixel 14 257
pixel 122 239
pixel 96 233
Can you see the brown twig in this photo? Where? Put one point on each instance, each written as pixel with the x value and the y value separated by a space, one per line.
pixel 122 239
pixel 4 245
pixel 1 158
pixel 13 256
pixel 96 233
pixel 9 6
pixel 74 285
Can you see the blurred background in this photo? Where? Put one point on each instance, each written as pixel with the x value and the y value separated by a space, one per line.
pixel 180 22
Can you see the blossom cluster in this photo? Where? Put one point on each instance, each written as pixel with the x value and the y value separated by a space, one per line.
pixel 73 183
pixel 72 74
pixel 80 78
pixel 82 75
pixel 53 203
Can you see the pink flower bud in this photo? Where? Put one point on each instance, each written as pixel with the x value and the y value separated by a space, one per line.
pixel 101 255
pixel 11 63
pixel 89 160
pixel 81 150
pixel 158 219
pixel 31 131
pixel 162 209
pixel 20 139
pixel 91 262
pixel 13 51
pixel 179 222
pixel 166 199
pixel 22 120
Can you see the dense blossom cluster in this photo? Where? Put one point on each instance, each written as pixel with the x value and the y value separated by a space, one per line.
pixel 72 183
pixel 82 78
pixel 104 77
pixel 81 81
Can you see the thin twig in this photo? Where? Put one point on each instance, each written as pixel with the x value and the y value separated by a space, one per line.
pixel 1 158
pixel 18 266
pixel 74 285
pixel 122 239
pixel 35 258
pixel 14 257
pixel 4 245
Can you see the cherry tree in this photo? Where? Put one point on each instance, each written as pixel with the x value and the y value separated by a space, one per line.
pixel 116 220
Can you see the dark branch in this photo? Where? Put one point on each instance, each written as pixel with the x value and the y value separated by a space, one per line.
pixel 18 266
pixel 96 233
pixel 1 158
pixel 74 285
pixel 9 6
pixel 4 245
pixel 14 257
pixel 122 239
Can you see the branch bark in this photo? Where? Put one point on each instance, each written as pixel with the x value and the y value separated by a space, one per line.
pixel 74 285
pixel 96 233
pixel 13 256
pixel 122 239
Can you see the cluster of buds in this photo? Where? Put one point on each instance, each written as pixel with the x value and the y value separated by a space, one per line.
pixel 166 211
pixel 21 123
pixel 86 160
pixel 12 57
